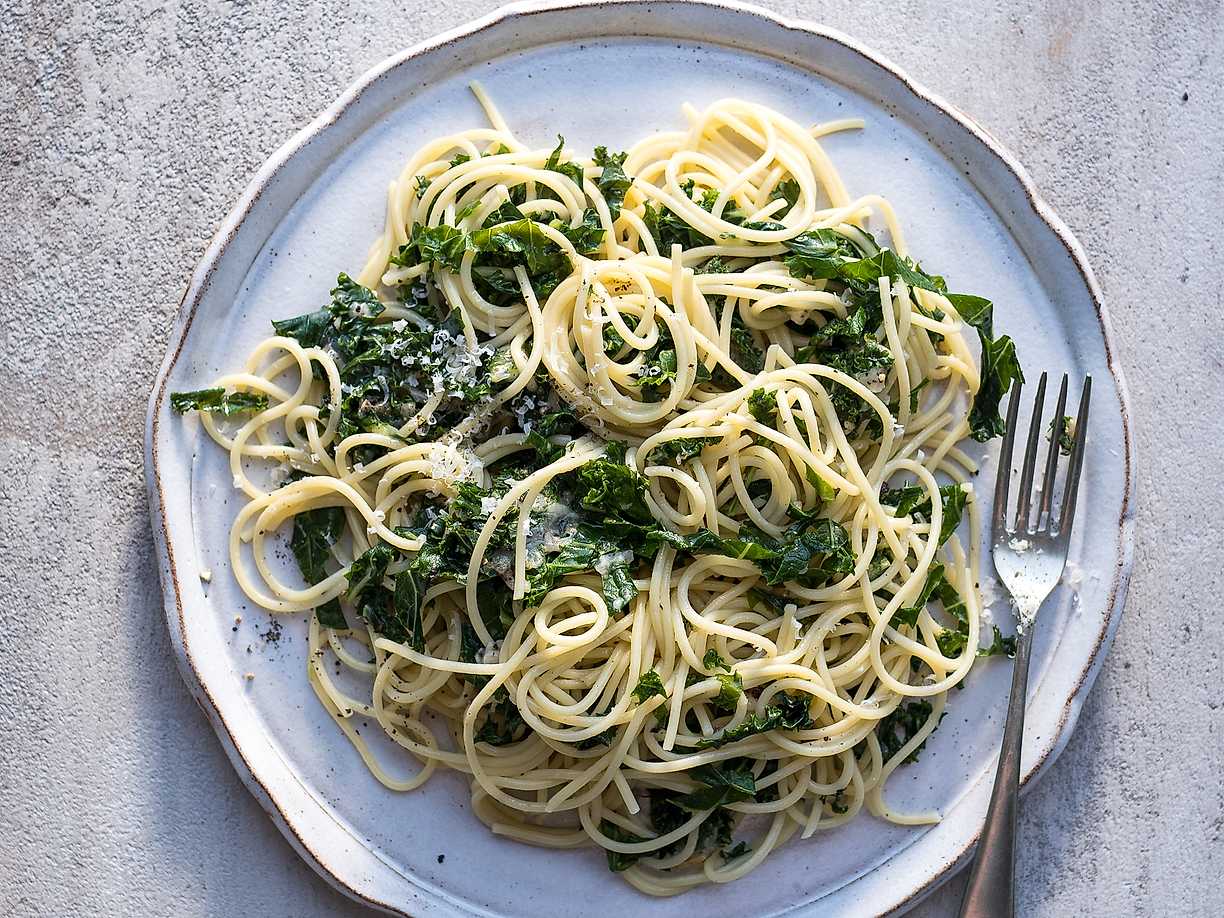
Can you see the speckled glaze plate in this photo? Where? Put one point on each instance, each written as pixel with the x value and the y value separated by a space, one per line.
pixel 609 73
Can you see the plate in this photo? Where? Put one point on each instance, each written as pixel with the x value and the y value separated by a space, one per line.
pixel 609 73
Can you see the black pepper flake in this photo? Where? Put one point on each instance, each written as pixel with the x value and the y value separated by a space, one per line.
pixel 273 634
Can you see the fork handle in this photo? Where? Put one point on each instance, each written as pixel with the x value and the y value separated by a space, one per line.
pixel 990 892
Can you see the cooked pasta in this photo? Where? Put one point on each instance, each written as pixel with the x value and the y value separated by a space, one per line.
pixel 631 487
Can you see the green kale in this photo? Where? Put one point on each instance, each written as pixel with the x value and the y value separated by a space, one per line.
pixel 659 367
pixel 741 848
pixel 614 494
pixel 731 688
pixel 522 241
pixel 389 370
pixel 618 862
pixel 763 406
pixel 898 728
pixel 572 171
pixel 825 491
pixel 865 361
pixel 368 570
pixel 583 553
pixel 811 552
pixel 1000 367
pixel 562 422
pixel 788 191
pixel 769 602
pixel 613 183
pixel 909 615
pixel 668 229
pixel 587 235
pixel 951 642
pixel 648 687
pixel 619 587
pixel 350 313
pixel 501 723
pixel 409 589
pixel 471 651
pixel 887 263
pixel 680 450
pixel 726 782
pixel 217 400
pixel 605 738
pixel 745 350
pixel 1060 433
pixel 820 254
pixel 395 614
pixel 913 500
pixel 788 712
pixel 314 534
pixel 937 587
pixel 714 265
pixel 1000 646
pixel 842 333
pixel 441 245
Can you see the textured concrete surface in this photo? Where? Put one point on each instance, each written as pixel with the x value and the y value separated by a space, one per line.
pixel 127 129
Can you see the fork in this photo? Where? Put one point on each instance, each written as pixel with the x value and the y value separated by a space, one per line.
pixel 1029 557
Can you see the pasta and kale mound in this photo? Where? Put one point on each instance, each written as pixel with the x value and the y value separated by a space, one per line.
pixel 631 487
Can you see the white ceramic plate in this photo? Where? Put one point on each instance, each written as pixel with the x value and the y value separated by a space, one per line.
pixel 609 73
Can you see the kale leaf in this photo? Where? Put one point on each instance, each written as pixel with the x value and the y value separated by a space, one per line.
pixel 913 500
pixel 618 862
pixel 726 782
pixel 216 400
pixel 572 171
pixel 680 449
pixel 1000 366
pixel 648 686
pixel 763 406
pixel 314 533
pixel 1060 433
pixel 613 183
pixel 787 712
pixel 899 726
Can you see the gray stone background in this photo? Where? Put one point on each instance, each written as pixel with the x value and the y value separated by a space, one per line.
pixel 127 130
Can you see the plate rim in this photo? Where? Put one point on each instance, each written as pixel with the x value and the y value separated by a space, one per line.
pixel 218 245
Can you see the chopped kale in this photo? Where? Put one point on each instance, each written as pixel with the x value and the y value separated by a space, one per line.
pixel 913 500
pixel 788 712
pixel 217 400
pixel 618 862
pixel 314 534
pixel 898 728
pixel 572 171
pixel 679 450
pixel 1000 366
pixel 1000 646
pixel 763 406
pixel 1060 433
pixel 648 687
pixel 613 183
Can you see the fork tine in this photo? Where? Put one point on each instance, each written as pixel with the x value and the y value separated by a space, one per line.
pixel 1024 500
pixel 1003 479
pixel 1051 470
pixel 1077 461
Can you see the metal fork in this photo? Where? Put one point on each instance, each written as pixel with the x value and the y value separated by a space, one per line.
pixel 1029 556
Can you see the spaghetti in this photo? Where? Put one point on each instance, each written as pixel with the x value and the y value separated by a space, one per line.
pixel 630 488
